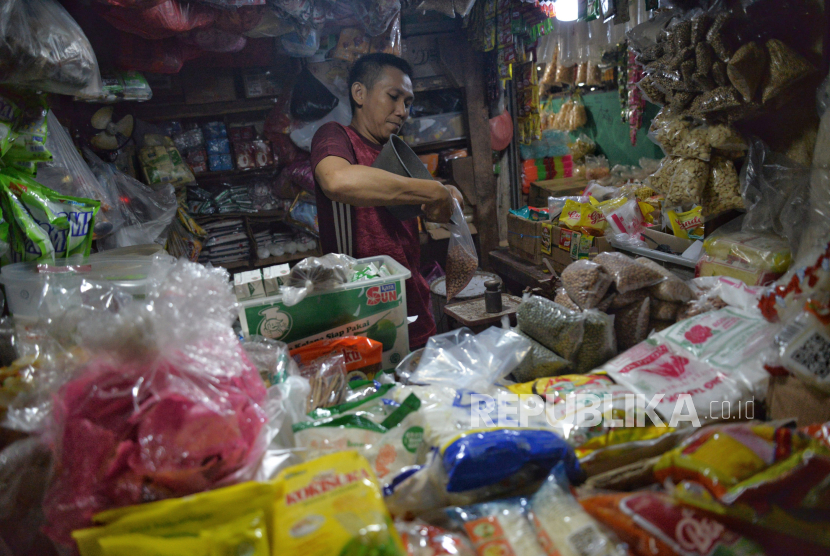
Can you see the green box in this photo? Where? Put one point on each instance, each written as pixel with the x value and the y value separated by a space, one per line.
pixel 372 308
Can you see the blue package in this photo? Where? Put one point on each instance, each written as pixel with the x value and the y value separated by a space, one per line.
pixel 489 457
pixel 220 162
pixel 219 146
pixel 214 130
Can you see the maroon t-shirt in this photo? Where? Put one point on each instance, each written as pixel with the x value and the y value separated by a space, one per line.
pixel 370 231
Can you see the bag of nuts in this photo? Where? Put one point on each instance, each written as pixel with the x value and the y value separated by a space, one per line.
pixel 555 327
pixel 687 182
pixel 586 283
pixel 632 324
pixel 599 341
pixel 722 191
pixel 786 67
pixel 672 288
pixel 565 300
pixel 625 299
pixel 664 310
pixel 462 260
pixel 627 274
pixel 680 137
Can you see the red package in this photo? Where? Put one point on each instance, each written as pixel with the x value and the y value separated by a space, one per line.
pixel 165 20
pixel 245 155
pixel 240 134
pixel 198 160
pixel 166 56
pixel 263 154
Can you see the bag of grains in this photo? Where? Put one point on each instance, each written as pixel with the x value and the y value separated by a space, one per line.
pixel 599 342
pixel 625 299
pixel 552 325
pixel 687 182
pixel 786 67
pixel 631 324
pixel 540 362
pixel 672 288
pixel 586 283
pixel 462 260
pixel 565 300
pixel 664 310
pixel 627 274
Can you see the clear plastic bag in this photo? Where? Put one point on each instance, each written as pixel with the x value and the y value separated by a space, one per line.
pixel 599 341
pixel 68 174
pixel 44 48
pixel 327 376
pixel 462 259
pixel 552 325
pixel 563 299
pixel 627 274
pixel 128 421
pixel 672 288
pixel 421 539
pixel 145 213
pixel 540 361
pixel 678 136
pixel 631 324
pixel 315 274
pixel 271 358
pixel 688 181
pixel 303 213
pixel 461 359
pixel 500 525
pixel 586 283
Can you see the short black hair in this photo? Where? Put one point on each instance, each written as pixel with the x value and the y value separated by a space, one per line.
pixel 367 70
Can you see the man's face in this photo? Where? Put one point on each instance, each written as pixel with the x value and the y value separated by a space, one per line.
pixel 386 104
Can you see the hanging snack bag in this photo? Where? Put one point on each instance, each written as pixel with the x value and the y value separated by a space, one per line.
pixel 462 260
pixel 333 505
pixel 43 203
pixel 27 240
pixel 576 215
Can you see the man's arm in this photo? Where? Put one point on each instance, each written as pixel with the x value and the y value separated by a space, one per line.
pixel 364 186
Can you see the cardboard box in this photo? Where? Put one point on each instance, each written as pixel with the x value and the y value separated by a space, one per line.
pixel 541 190
pixel 248 285
pixel 563 246
pixel 788 397
pixel 524 238
pixel 273 278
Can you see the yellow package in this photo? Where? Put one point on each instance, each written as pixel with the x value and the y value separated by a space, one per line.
pixel 333 506
pixel 245 535
pixel 576 215
pixel 756 250
pixel 646 209
pixel 687 225
pixel 187 516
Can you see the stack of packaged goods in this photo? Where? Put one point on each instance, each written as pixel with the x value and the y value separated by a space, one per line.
pixel 227 242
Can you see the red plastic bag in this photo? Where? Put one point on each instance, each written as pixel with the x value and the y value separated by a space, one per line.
pixel 212 39
pixel 162 21
pixel 501 131
pixel 166 56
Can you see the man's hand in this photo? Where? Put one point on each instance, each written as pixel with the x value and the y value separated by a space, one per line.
pixel 440 210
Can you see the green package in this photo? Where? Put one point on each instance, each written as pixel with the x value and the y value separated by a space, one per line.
pixel 28 125
pixel 27 240
pixel 44 204
pixel 9 113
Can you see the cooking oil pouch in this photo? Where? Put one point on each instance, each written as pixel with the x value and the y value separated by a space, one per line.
pixel 28 241
pixel 576 215
pixel 181 517
pixel 244 535
pixel 687 225
pixel 333 506
pixel 44 204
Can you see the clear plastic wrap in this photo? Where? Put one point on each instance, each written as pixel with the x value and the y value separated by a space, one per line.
pixel 786 67
pixel 678 136
pixel 563 299
pixel 688 181
pixel 327 376
pixel 271 359
pixel 552 325
pixel 498 526
pixel 586 283
pixel 762 251
pixel 599 341
pixel 44 48
pixel 145 213
pixel 128 423
pixel 563 527
pixel 722 191
pixel 462 259
pixel 421 539
pixel 316 273
pixel 627 274
pixel 539 362
pixel 461 359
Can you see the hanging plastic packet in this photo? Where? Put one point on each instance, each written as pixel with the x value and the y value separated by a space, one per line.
pixel 562 526
pixel 46 205
pixel 462 259
pixel 576 215
pixel 27 240
pixel 363 357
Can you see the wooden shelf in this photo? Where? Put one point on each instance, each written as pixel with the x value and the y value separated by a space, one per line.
pixel 228 174
pixel 150 111
pixel 440 145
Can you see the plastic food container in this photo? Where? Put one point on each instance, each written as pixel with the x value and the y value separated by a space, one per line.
pixel 24 282
pixel 373 308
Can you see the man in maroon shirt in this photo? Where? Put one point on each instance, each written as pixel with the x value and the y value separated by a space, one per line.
pixel 352 196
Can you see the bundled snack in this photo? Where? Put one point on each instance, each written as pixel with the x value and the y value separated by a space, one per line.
pixel 498 527
pixel 462 259
pixel 652 524
pixel 539 362
pixel 327 376
pixel 586 283
pixel 363 357
pixel 129 423
pixel 672 288
pixel 421 539
pixel 350 519
pixel 632 324
pixel 627 274
pixel 577 215
pixel 562 526
pixel 387 434
pixel 722 191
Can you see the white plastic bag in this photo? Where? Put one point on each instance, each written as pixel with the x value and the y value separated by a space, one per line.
pixel 461 359
pixel 462 260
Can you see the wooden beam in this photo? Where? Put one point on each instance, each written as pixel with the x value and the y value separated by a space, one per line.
pixel 467 66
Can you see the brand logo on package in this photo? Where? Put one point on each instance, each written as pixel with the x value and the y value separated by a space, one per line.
pixel 275 324
pixel 377 295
